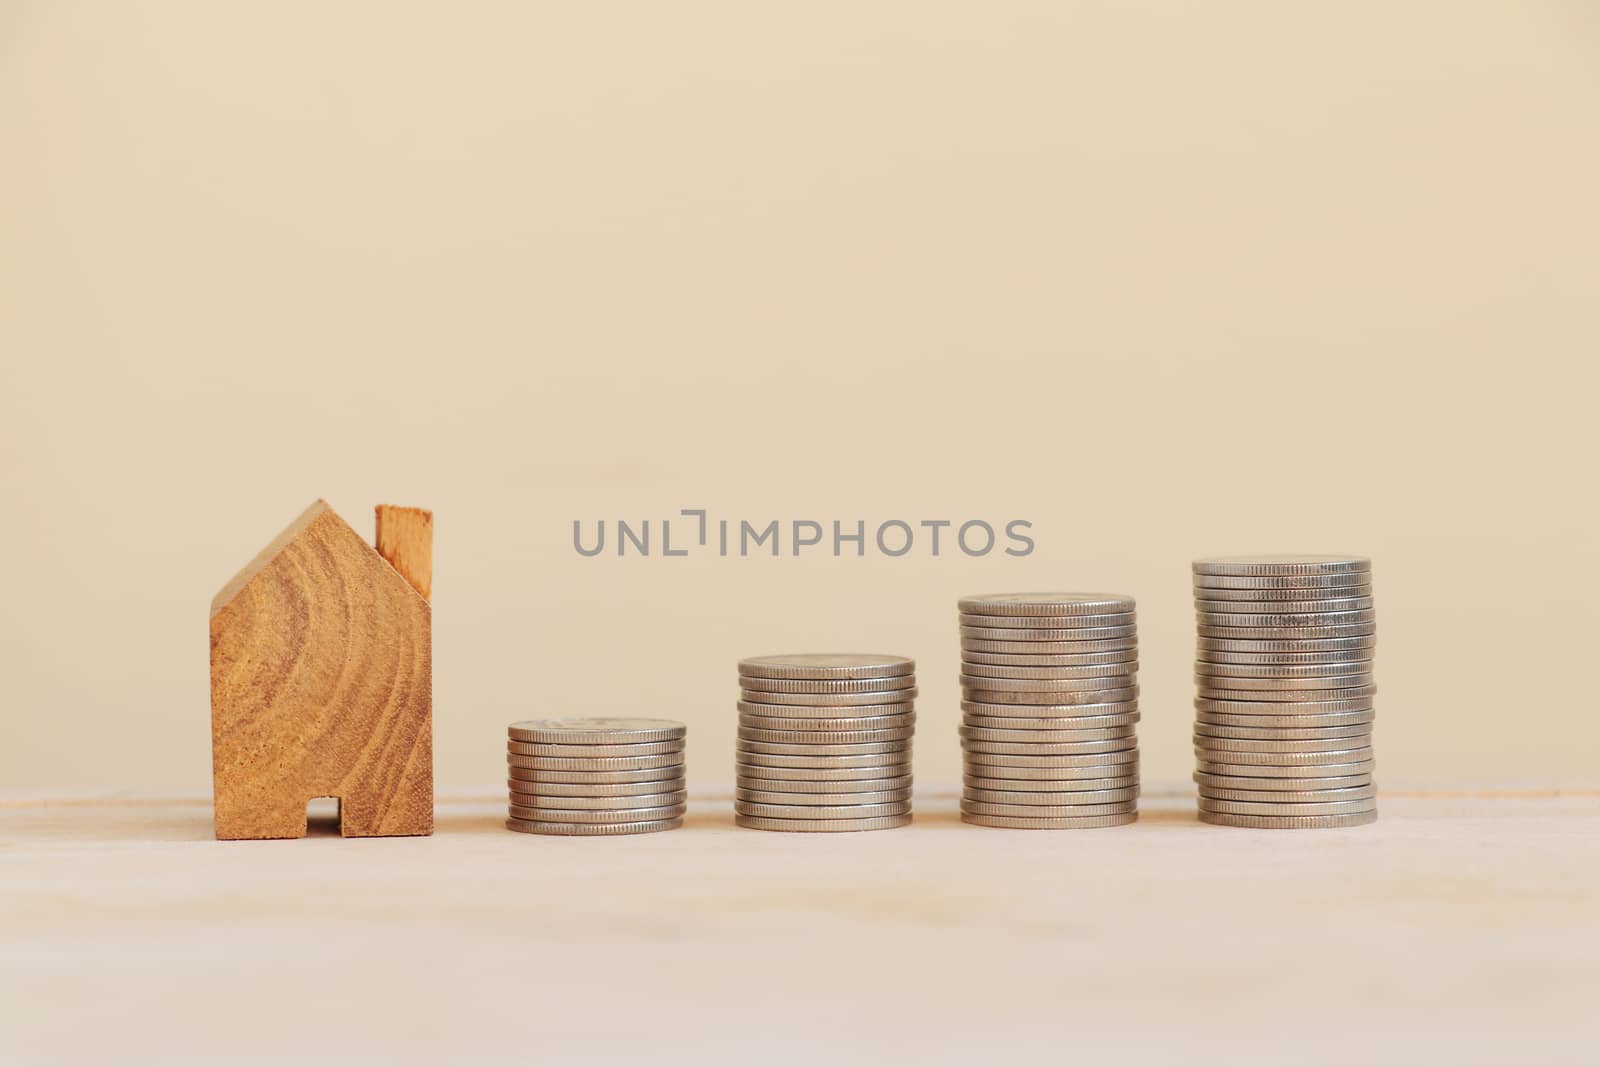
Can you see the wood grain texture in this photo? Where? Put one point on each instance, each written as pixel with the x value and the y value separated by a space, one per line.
pixel 321 686
pixel 405 539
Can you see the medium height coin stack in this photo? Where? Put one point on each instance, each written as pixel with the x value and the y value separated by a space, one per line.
pixel 1049 707
pixel 1283 719
pixel 595 777
pixel 825 742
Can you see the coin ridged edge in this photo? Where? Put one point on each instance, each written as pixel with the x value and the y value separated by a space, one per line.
pixel 527 730
pixel 1001 822
pixel 1288 822
pixel 616 829
pixel 821 826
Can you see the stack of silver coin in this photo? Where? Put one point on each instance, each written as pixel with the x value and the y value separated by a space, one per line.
pixel 1283 718
pixel 825 742
pixel 596 777
pixel 1050 699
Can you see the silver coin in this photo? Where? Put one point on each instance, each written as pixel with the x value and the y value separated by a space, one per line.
pixel 1212 658
pixel 1126 758
pixel 1047 811
pixel 1052 698
pixel 827 685
pixel 596 791
pixel 1047 685
pixel 1281 685
pixel 1128 656
pixel 1279 807
pixel 1285 822
pixel 1283 581
pixel 1212 782
pixel 1323 757
pixel 978 795
pixel 1046 604
pixel 1006 647
pixel 779 786
pixel 821 826
pixel 822 811
pixel 620 751
pixel 896 759
pixel 1061 777
pixel 1050 787
pixel 1002 822
pixel 612 815
pixel 1297 808
pixel 1210 706
pixel 1204 744
pixel 813 800
pixel 1287 722
pixel 560 803
pixel 1235 769
pixel 1297 644
pixel 823 711
pixel 1287 796
pixel 1116 708
pixel 1274 704
pixel 1256 733
pixel 1054 722
pixel 1304 635
pixel 1279 565
pixel 1240 613
pixel 821 725
pixel 984 733
pixel 1283 670
pixel 1289 696
pixel 875 699
pixel 594 731
pixel 1029 623
pixel 595 763
pixel 823 737
pixel 825 773
pixel 779 748
pixel 1103 670
pixel 1048 748
pixel 827 665
pixel 1285 612
pixel 1087 634
pixel 669 772
pixel 620 829
pixel 1261 596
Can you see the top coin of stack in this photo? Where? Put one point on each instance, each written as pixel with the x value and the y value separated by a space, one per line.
pixel 595 777
pixel 1284 712
pixel 825 742
pixel 1049 702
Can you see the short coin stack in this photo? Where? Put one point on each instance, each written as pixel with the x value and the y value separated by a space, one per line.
pixel 825 742
pixel 1049 707
pixel 1283 719
pixel 595 777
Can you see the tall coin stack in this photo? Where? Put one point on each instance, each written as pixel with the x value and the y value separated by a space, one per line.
pixel 1283 719
pixel 1049 702
pixel 825 742
pixel 596 777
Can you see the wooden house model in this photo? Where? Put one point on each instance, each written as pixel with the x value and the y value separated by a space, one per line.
pixel 322 680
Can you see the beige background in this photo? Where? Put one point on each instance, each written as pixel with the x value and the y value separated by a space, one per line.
pixel 1166 279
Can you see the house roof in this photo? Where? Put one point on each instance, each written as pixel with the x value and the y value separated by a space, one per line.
pixel 263 559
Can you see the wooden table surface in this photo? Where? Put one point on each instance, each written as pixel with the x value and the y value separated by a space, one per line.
pixel 1463 928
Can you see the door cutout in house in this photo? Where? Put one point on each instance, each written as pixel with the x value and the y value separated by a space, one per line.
pixel 322 817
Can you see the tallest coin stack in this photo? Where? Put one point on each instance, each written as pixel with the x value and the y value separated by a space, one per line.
pixel 1283 718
